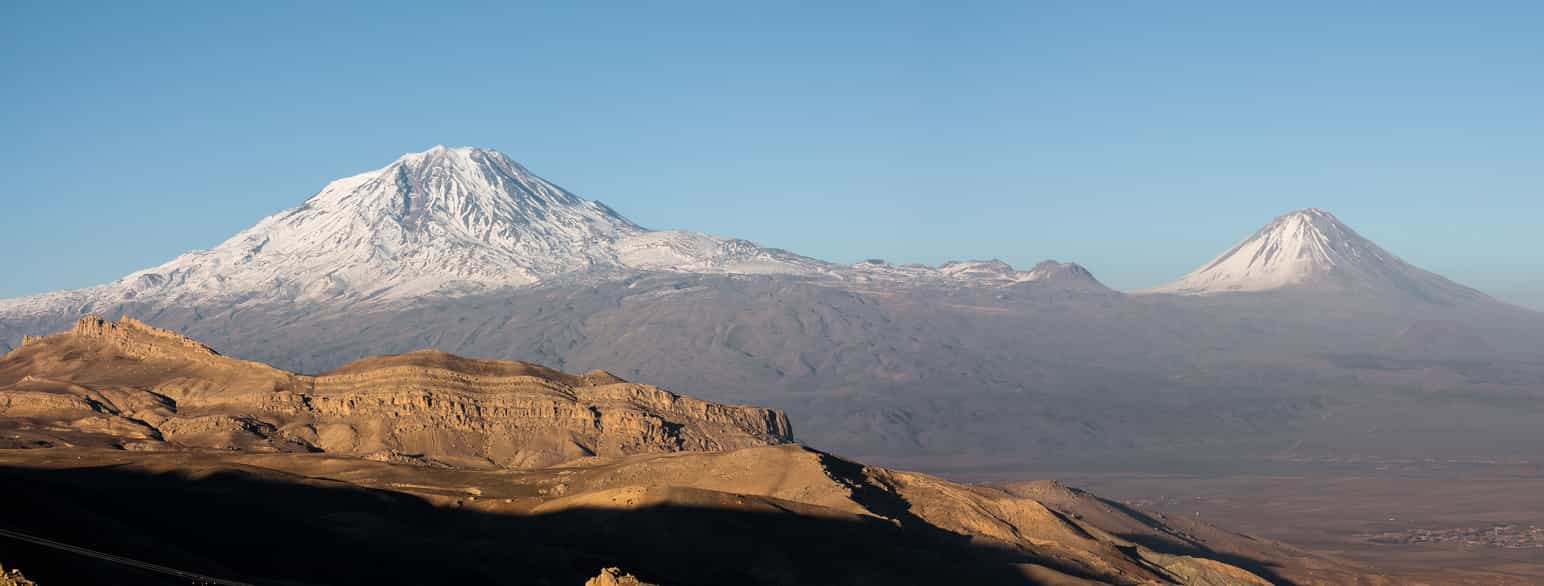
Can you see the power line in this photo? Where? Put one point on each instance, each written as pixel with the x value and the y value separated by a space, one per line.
pixel 200 578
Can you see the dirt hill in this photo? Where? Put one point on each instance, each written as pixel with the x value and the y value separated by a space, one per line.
pixel 133 386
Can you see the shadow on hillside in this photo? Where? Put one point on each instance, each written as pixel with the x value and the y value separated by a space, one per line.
pixel 1259 568
pixel 267 529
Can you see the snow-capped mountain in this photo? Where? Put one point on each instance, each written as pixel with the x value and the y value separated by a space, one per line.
pixel 459 221
pixel 979 273
pixel 970 272
pixel 1312 249
pixel 447 221
pixel 695 252
pixel 455 221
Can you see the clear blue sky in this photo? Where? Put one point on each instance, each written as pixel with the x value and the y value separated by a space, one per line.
pixel 1137 138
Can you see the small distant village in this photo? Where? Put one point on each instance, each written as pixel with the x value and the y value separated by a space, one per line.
pixel 1503 536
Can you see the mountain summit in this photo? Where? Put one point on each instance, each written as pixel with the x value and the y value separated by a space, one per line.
pixel 442 218
pixel 446 220
pixel 1311 249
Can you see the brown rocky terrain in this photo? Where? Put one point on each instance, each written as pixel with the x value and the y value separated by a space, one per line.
pixel 1431 522
pixel 429 468
pixel 14 577
pixel 137 387
pixel 765 515
pixel 615 577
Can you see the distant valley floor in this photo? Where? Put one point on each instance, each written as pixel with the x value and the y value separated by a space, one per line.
pixel 1446 522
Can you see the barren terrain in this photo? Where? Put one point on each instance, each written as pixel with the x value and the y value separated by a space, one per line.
pixel 139 444
pixel 1426 521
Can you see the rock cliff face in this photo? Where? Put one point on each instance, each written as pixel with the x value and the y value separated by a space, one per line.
pixel 128 384
pixel 137 339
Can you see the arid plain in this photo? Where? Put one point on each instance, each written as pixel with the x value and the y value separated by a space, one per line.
pixel 1432 522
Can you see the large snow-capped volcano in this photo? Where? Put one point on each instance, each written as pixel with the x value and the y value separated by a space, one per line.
pixel 446 220
pixel 454 221
pixel 1312 249
pixel 445 217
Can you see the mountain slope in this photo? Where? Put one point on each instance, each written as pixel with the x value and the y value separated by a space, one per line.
pixel 450 222
pixel 443 221
pixel 1311 249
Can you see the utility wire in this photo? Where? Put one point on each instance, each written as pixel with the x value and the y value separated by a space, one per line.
pixel 196 578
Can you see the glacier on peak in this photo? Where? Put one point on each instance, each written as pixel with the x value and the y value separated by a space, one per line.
pixel 1312 250
pixel 445 220
pixel 452 221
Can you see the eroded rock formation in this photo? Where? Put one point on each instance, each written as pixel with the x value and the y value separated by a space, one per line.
pixel 128 384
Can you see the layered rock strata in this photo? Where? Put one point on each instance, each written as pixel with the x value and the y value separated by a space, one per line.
pixel 128 384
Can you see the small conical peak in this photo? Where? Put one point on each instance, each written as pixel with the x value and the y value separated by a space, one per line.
pixel 1050 269
pixel 1312 249
pixel 1296 247
pixel 1062 275
pixel 1309 239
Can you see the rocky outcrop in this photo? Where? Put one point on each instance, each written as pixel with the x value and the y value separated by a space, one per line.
pixel 138 339
pixel 615 577
pixel 133 383
pixel 14 577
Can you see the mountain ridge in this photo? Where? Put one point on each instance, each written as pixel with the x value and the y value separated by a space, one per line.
pixel 149 388
pixel 451 221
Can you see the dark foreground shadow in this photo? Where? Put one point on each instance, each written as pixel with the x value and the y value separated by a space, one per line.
pixel 1259 568
pixel 254 528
